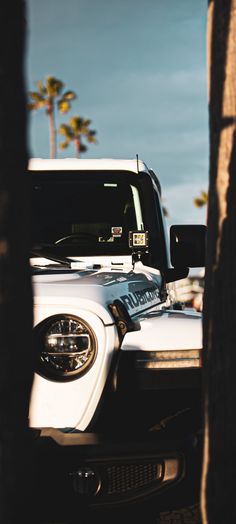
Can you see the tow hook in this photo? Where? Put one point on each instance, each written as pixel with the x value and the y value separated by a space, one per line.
pixel 85 481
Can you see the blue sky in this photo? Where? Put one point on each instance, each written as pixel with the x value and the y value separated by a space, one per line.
pixel 139 69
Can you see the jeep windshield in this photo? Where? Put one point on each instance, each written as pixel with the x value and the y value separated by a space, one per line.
pixel 85 213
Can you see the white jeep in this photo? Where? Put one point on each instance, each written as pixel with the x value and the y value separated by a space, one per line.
pixel 116 397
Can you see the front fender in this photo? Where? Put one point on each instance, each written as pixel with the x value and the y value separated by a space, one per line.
pixel 72 404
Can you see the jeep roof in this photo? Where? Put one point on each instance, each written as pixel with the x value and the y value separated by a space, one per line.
pixel 82 164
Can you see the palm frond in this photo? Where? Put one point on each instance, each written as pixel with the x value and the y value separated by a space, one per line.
pixel 54 86
pixel 91 136
pixel 36 96
pixel 64 145
pixel 202 200
pixel 69 95
pixel 41 88
pixel 63 106
pixel 65 130
pixel 76 123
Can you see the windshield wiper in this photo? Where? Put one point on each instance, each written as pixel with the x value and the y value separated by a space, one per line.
pixel 64 261
pixel 45 254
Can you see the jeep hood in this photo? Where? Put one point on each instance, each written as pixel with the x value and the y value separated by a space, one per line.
pixel 138 289
pixel 166 330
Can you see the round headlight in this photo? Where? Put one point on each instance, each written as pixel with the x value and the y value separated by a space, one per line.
pixel 66 347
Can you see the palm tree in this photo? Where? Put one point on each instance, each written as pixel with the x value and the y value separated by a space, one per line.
pixel 47 96
pixel 77 128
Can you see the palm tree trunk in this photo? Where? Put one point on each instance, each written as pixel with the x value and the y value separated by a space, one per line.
pixel 16 355
pixel 218 502
pixel 77 147
pixel 52 129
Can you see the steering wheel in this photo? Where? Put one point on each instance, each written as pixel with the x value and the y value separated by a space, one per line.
pixel 75 236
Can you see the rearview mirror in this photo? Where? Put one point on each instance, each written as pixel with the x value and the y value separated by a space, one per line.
pixel 188 245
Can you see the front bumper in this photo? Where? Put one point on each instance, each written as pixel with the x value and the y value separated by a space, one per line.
pixel 90 472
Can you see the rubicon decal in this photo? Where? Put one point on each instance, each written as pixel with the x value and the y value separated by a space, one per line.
pixel 141 297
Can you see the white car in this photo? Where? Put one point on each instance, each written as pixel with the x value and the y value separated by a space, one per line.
pixel 116 391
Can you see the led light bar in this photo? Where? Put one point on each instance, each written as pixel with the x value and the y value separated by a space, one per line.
pixel 188 358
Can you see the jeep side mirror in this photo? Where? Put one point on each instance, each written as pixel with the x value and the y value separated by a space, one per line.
pixel 188 245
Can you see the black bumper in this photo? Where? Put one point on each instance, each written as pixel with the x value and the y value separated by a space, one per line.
pixel 89 472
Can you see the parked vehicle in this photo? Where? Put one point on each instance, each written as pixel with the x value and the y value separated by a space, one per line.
pixel 116 398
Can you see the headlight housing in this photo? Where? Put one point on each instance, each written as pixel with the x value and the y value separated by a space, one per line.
pixel 66 347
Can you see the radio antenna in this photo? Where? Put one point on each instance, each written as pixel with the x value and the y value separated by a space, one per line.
pixel 137 162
